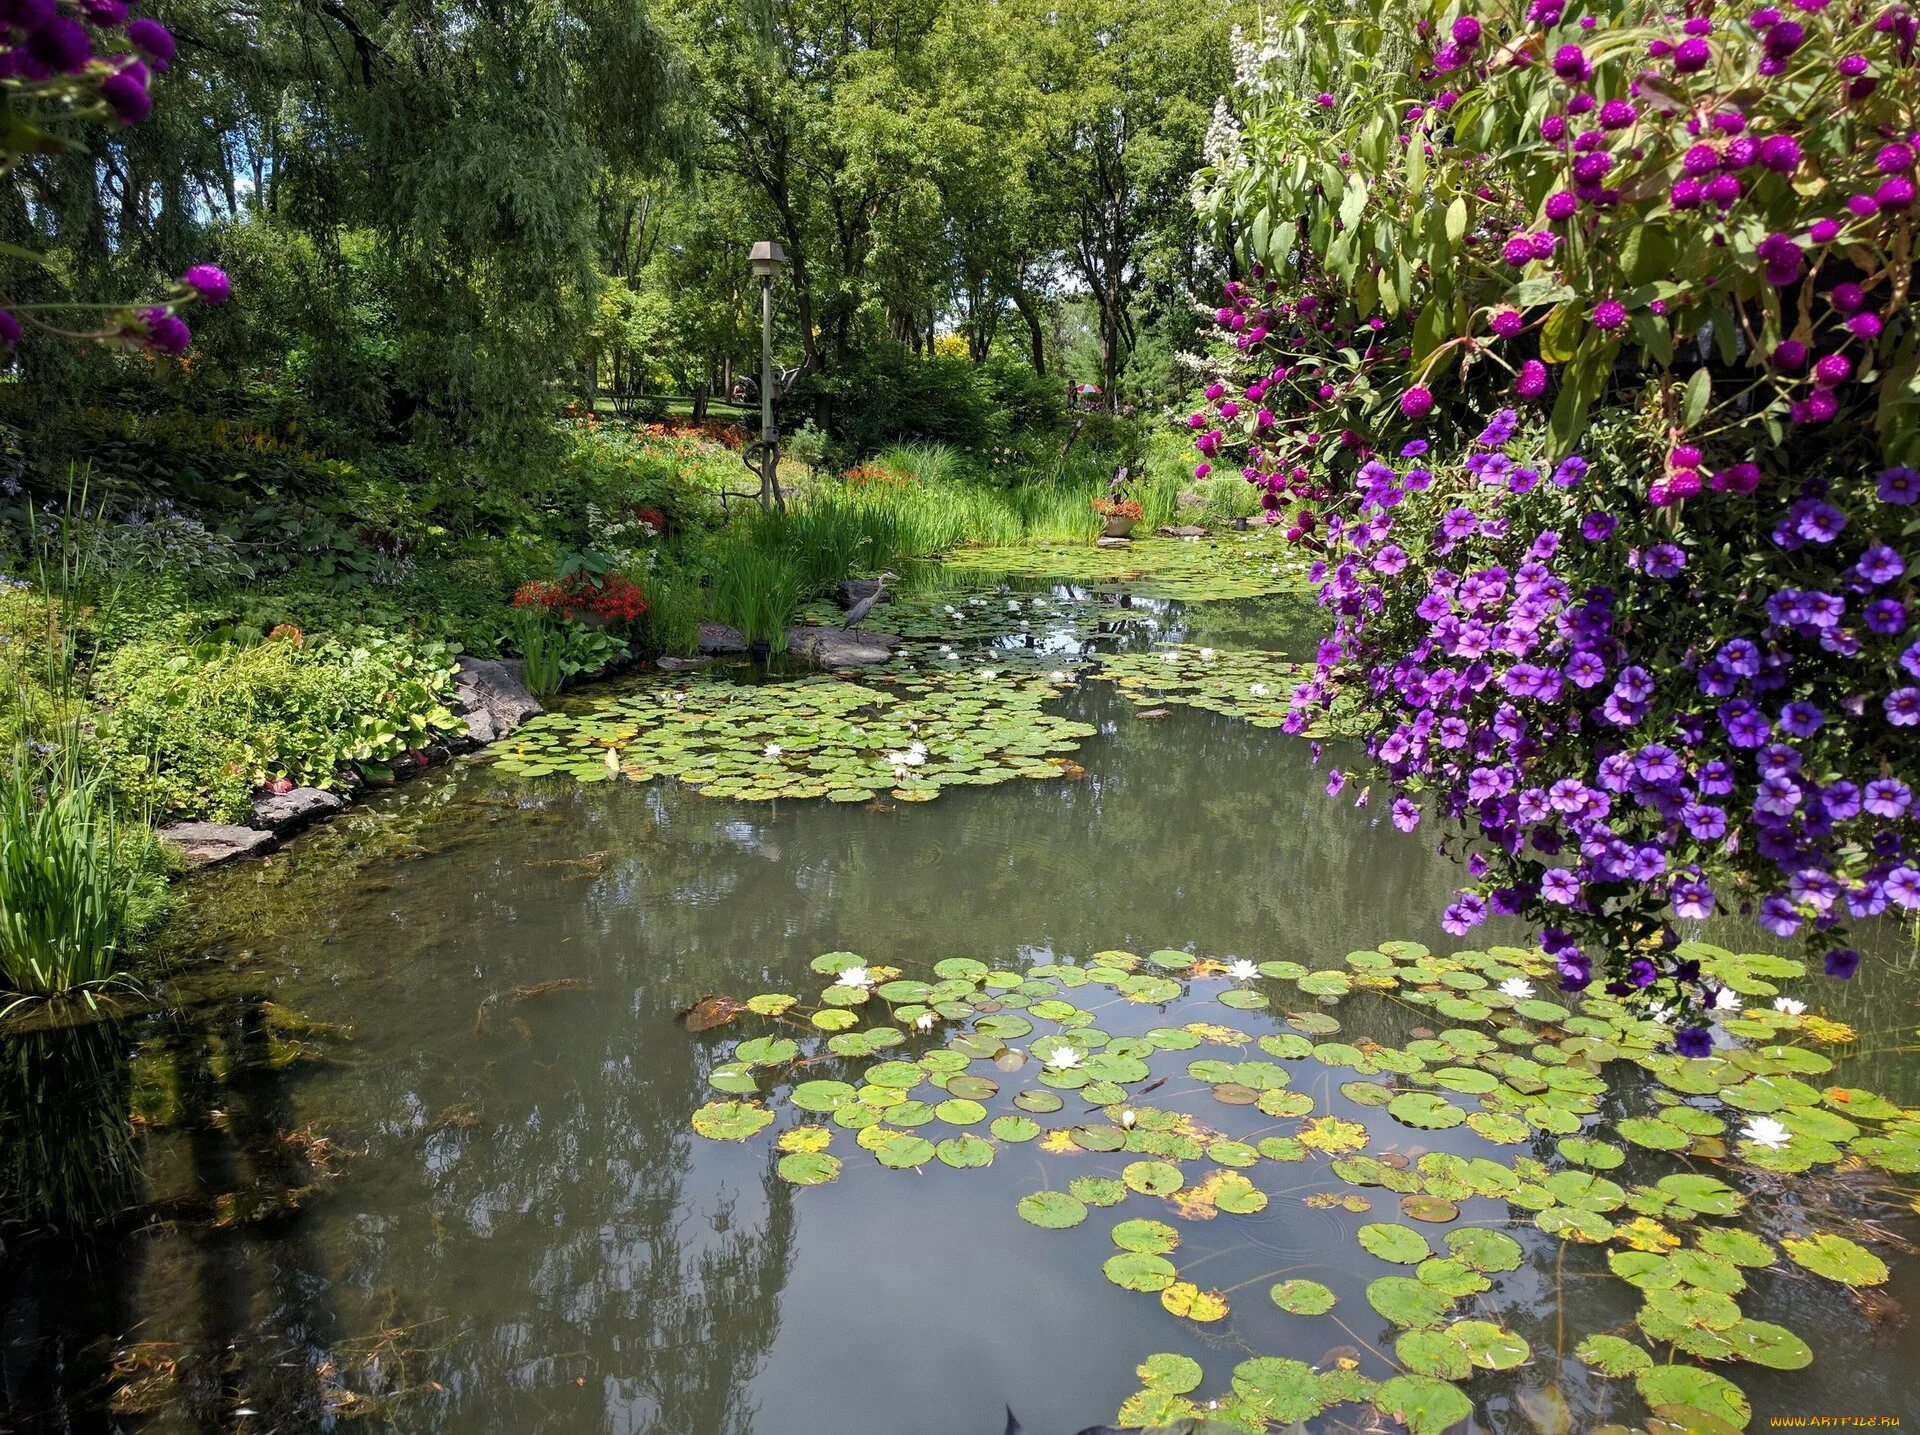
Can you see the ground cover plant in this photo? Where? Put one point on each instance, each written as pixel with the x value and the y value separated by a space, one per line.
pixel 1604 449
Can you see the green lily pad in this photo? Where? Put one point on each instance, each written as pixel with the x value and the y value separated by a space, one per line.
pixel 1174 1374
pixel 1696 1389
pixel 1836 1258
pixel 1153 1178
pixel 1610 1355
pixel 1425 1110
pixel 1139 1271
pixel 809 1168
pixel 821 1095
pixel 1150 1237
pixel 1052 1210
pixel 1284 1391
pixel 1408 1302
pixel 1394 1243
pixel 731 1120
pixel 1424 1405
pixel 901 1152
pixel 1014 1128
pixel 1303 1297
pixel 1097 1190
pixel 964 1152
pixel 1485 1250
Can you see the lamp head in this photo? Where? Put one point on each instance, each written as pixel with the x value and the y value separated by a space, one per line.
pixel 767 258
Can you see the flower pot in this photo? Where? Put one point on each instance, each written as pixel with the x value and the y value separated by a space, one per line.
pixel 1119 526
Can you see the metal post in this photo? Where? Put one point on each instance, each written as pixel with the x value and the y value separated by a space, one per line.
pixel 770 452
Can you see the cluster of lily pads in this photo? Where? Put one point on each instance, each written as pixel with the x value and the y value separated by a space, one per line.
pixel 957 621
pixel 1252 686
pixel 1246 565
pixel 909 734
pixel 951 1066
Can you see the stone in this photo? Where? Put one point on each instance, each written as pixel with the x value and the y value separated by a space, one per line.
pixel 840 647
pixel 719 639
pixel 492 687
pixel 1113 543
pixel 857 590
pixel 1183 530
pixel 283 812
pixel 681 665
pixel 208 844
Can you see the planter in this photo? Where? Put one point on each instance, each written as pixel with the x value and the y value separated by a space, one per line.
pixel 1119 526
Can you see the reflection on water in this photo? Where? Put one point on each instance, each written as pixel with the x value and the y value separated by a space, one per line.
pixel 417 1145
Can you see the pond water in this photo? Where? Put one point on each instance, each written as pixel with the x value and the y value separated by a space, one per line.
pixel 417 1132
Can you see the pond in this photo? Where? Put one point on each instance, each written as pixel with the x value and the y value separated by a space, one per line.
pixel 419 1141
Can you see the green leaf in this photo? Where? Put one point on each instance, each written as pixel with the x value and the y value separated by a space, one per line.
pixel 1153 1178
pixel 1284 1391
pixel 1303 1297
pixel 1052 1210
pixel 809 1168
pixel 1836 1258
pixel 1610 1355
pixel 1399 1244
pixel 1699 396
pixel 1424 1405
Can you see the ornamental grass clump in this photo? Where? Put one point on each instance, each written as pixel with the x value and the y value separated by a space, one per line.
pixel 70 882
pixel 1578 347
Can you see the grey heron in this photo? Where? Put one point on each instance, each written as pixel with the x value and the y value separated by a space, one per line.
pixel 866 605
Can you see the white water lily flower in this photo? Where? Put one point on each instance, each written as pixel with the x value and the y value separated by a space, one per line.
pixel 924 1021
pixel 1206 655
pixel 1062 1058
pixel 1726 1000
pixel 1256 690
pixel 1792 1006
pixel 1169 657
pixel 1242 970
pixel 772 749
pixel 1127 1119
pixel 1013 605
pixel 854 977
pixel 1519 988
pixel 1765 1131
pixel 901 774
pixel 988 673
pixel 1056 676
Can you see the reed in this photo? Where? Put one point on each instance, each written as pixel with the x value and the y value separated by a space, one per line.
pixel 70 879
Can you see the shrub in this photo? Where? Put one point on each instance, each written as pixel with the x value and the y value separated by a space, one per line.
pixel 555 649
pixel 192 734
pixel 1649 648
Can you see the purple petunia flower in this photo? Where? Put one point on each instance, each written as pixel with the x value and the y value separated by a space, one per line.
pixel 1842 962
pixel 1693 1041
pixel 1598 527
pixel 1664 560
pixel 1801 719
pixel 1899 485
pixel 1903 707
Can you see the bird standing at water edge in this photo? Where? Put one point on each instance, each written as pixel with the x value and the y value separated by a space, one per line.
pixel 866 605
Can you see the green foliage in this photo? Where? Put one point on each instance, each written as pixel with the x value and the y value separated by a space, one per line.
pixel 555 649
pixel 75 882
pixel 758 591
pixel 191 734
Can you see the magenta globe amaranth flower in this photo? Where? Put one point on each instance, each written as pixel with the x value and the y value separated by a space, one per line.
pixel 208 281
pixel 153 41
pixel 1609 314
pixel 9 331
pixel 126 95
pixel 1570 64
pixel 1692 56
pixel 1416 402
pixel 166 332
pixel 1531 382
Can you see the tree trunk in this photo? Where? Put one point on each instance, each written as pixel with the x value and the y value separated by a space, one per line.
pixel 1036 334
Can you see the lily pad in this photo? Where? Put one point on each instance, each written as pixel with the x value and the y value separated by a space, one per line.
pixel 809 1168
pixel 731 1120
pixel 1052 1210
pixel 1153 1178
pixel 1836 1258
pixel 1303 1297
pixel 1399 1244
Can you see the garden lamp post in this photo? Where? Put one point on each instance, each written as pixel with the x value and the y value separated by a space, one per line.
pixel 767 259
